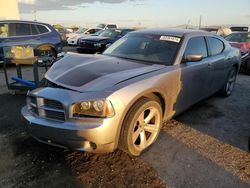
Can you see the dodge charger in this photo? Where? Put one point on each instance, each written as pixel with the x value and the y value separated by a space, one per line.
pixel 120 99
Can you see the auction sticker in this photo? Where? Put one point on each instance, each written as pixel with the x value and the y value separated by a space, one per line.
pixel 170 38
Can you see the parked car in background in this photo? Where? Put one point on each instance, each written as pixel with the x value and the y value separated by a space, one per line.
pixel 241 40
pixel 239 29
pixel 97 44
pixel 224 30
pixel 83 32
pixel 107 26
pixel 119 99
pixel 221 31
pixel 64 34
pixel 79 31
pixel 41 36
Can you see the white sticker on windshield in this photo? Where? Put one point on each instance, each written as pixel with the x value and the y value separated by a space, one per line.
pixel 170 38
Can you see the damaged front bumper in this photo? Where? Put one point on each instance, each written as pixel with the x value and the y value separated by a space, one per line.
pixel 49 122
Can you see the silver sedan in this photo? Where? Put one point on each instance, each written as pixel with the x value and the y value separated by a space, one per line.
pixel 120 99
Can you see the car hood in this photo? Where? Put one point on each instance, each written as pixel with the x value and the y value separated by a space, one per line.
pixel 95 72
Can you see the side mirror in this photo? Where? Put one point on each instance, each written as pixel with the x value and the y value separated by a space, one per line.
pixel 193 58
pixel 108 45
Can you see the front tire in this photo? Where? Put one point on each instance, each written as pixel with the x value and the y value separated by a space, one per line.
pixel 228 87
pixel 141 126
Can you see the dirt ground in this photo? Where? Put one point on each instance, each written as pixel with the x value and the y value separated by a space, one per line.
pixel 205 146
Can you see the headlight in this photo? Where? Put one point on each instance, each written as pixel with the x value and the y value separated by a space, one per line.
pixel 99 108
pixel 98 45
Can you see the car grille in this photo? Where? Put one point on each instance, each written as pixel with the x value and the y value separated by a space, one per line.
pixel 87 44
pixel 46 108
pixel 52 104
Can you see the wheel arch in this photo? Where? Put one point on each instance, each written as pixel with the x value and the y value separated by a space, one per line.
pixel 44 47
pixel 158 97
pixel 237 66
pixel 154 95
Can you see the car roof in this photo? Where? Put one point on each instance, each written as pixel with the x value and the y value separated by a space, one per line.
pixel 123 28
pixel 23 21
pixel 171 31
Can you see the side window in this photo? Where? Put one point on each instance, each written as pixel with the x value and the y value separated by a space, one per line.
pixel 19 29
pixel 34 30
pixel 42 29
pixel 216 46
pixel 4 30
pixel 23 29
pixel 196 45
pixel 91 31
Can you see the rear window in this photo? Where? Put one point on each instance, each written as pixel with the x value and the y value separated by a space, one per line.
pixel 42 29
pixel 216 45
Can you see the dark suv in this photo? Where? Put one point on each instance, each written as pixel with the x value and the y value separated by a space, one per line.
pixel 45 40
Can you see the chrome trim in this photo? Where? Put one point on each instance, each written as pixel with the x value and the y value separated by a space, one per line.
pixel 42 109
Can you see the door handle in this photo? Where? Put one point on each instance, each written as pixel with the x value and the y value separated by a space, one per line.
pixel 38 38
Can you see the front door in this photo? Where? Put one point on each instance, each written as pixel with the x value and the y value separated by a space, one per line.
pixel 196 77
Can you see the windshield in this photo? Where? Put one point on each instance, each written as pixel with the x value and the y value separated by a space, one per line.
pixel 110 33
pixel 149 48
pixel 101 26
pixel 98 33
pixel 81 30
pixel 238 37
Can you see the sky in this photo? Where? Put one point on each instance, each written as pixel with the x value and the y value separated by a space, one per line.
pixel 144 13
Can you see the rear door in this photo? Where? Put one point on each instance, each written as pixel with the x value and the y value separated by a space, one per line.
pixel 218 62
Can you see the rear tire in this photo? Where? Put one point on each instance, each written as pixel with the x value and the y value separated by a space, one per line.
pixel 229 84
pixel 141 126
pixel 247 67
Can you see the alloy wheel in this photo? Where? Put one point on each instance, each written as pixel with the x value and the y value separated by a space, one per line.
pixel 146 128
pixel 50 55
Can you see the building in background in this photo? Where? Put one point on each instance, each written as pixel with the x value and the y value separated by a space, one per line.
pixel 9 10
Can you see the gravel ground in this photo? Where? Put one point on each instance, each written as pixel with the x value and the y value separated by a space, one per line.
pixel 205 146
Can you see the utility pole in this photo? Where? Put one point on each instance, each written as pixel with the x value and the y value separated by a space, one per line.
pixel 188 23
pixel 34 13
pixel 200 21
